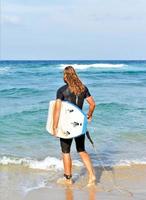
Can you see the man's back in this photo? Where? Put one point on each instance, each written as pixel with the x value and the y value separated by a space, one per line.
pixel 64 93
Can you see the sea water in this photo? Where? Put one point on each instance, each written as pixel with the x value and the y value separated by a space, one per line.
pixel 118 128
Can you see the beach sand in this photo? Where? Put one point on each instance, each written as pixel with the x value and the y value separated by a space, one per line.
pixel 117 183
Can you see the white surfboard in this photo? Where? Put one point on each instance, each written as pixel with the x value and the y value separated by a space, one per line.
pixel 72 121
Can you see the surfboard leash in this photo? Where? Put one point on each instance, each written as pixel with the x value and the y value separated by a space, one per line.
pixel 117 187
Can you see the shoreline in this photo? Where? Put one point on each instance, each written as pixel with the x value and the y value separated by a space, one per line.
pixel 122 183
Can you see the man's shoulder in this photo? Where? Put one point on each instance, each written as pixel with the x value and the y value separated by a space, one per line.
pixel 86 88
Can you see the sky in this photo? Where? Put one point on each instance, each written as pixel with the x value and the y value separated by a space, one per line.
pixel 72 29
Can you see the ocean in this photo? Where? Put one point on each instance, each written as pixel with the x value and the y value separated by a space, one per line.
pixel 118 128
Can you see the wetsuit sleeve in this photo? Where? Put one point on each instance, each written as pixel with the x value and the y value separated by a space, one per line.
pixel 59 94
pixel 87 93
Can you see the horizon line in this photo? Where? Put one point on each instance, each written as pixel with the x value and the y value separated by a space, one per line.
pixel 72 60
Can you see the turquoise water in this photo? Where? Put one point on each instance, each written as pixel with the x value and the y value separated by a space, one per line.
pixel 119 123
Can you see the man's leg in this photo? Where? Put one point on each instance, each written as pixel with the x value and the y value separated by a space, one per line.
pixel 87 162
pixel 67 162
pixel 80 146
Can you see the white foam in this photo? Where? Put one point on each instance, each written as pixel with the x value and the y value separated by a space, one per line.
pixel 96 65
pixel 131 162
pixel 12 160
pixel 40 185
pixel 49 163
pixel 120 163
pixel 54 164
pixel 4 70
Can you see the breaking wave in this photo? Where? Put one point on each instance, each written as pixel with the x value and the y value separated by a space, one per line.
pixel 4 70
pixel 55 164
pixel 49 163
pixel 96 65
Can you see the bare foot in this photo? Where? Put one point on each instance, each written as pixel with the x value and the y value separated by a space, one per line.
pixel 64 181
pixel 92 181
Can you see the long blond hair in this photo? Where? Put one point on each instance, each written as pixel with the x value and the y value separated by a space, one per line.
pixel 73 81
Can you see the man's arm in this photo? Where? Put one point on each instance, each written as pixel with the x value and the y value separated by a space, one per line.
pixel 56 115
pixel 92 105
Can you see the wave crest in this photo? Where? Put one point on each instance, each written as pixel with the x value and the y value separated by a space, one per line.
pixel 49 163
pixel 55 164
pixel 96 65
pixel 131 162
pixel 4 70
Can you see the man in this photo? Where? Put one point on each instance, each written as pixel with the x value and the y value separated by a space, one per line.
pixel 75 92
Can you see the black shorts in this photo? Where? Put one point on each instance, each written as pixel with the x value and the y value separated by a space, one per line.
pixel 66 144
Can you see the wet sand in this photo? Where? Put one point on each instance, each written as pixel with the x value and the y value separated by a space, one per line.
pixel 117 183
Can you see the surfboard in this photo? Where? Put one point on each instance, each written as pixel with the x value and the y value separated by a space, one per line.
pixel 72 120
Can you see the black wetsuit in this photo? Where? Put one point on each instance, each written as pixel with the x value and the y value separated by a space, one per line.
pixel 64 93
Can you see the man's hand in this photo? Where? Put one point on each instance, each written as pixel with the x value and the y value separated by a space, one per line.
pixel 89 118
pixel 55 132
